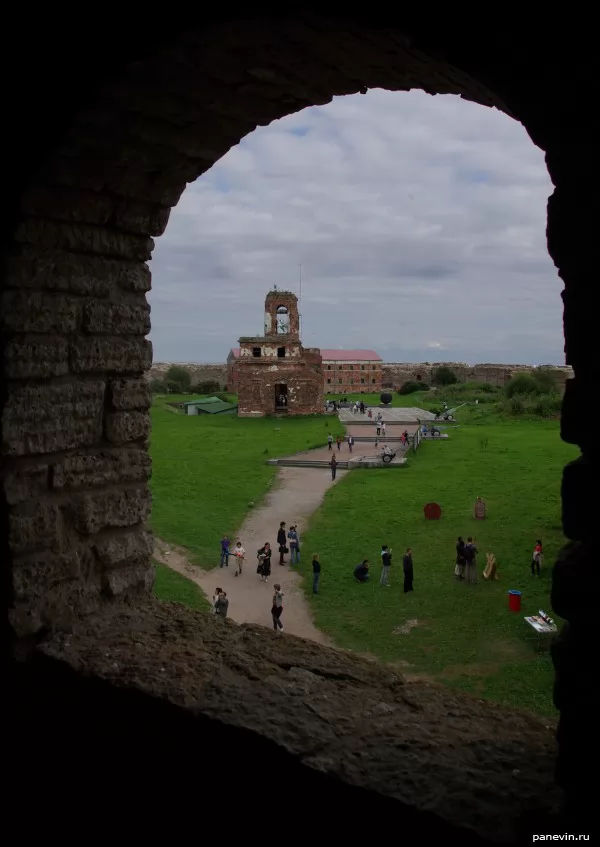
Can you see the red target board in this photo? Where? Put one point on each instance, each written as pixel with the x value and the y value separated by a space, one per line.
pixel 433 512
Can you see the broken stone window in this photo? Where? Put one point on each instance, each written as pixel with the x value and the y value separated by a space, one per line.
pixel 362 382
pixel 281 352
pixel 328 367
pixel 256 352
pixel 340 381
pixel 328 382
pixel 362 367
pixel 373 381
pixel 350 367
pixel 283 321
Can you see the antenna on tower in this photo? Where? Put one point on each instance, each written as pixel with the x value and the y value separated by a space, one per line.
pixel 300 304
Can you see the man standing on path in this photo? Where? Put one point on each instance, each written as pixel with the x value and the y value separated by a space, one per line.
pixel 333 466
pixel 383 428
pixel 239 554
pixel 330 441
pixel 338 441
pixel 407 567
pixel 281 542
pixel 277 608
pixel 225 551
pixel 350 442
pixel 386 561
pixel 222 605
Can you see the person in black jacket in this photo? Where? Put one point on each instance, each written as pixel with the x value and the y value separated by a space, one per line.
pixel 281 542
pixel 407 567
pixel 264 562
pixel 316 567
pixel 361 571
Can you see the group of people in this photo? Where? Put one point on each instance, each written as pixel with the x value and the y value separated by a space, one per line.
pixel 238 553
pixel 361 571
pixel 465 568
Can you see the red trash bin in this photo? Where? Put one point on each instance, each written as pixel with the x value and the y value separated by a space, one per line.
pixel 514 601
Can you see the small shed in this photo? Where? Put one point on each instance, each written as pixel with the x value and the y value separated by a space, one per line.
pixel 209 406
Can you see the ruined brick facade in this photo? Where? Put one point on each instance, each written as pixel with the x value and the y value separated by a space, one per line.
pixel 276 375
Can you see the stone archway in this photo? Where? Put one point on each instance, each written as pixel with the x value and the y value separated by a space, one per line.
pixel 93 184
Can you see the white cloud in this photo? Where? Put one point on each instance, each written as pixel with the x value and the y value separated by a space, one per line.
pixel 414 217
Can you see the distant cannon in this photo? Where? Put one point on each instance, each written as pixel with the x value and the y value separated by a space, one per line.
pixel 448 414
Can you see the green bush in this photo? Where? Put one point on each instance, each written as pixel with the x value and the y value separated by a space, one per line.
pixel 545 381
pixel 179 378
pixel 411 386
pixel 524 383
pixel 209 386
pixel 547 406
pixel 443 376
pixel 159 386
pixel 516 405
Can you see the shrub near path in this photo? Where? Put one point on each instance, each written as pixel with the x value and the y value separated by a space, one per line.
pixel 208 472
pixel 463 635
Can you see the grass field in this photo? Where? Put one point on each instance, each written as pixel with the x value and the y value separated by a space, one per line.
pixel 209 471
pixel 466 636
pixel 175 588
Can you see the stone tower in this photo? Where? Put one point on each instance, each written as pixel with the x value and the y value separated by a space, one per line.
pixel 276 375
pixel 281 315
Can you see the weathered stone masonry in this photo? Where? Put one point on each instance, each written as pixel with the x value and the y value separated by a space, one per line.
pixel 106 131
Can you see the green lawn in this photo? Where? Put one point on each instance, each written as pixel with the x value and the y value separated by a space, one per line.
pixel 175 588
pixel 466 636
pixel 209 471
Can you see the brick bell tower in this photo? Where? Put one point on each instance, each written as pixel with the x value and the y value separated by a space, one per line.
pixel 281 315
pixel 276 374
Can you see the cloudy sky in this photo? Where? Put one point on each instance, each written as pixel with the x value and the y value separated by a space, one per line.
pixel 419 223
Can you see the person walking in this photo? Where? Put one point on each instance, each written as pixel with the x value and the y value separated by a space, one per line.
pixel 222 605
pixel 225 551
pixel 378 427
pixel 386 561
pixel 383 429
pixel 362 407
pixel 264 562
pixel 350 442
pixel 370 415
pixel 330 441
pixel 338 441
pixel 407 567
pixel 294 540
pixel 459 568
pixel 281 542
pixel 470 553
pixel 537 559
pixel 316 568
pixel 239 554
pixel 333 466
pixel 277 608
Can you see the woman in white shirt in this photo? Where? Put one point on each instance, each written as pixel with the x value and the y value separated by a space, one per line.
pixel 240 555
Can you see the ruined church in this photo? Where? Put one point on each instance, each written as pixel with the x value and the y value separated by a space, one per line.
pixel 277 375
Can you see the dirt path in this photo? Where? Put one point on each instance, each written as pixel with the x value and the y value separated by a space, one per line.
pixel 294 496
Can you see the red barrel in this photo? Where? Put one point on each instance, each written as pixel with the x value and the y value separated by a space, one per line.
pixel 514 601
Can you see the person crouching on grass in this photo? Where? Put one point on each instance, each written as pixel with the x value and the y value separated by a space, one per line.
pixel 277 608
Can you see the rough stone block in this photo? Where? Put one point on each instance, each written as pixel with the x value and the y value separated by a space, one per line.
pixel 134 580
pixel 47 418
pixel 146 218
pixel 130 394
pixel 578 490
pixel 116 318
pixel 122 427
pixel 118 548
pixel 134 276
pixel 34 527
pixel 32 311
pixel 82 238
pixel 34 575
pixel 116 508
pixel 24 481
pixel 36 358
pixel 93 276
pixel 97 355
pixel 105 467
